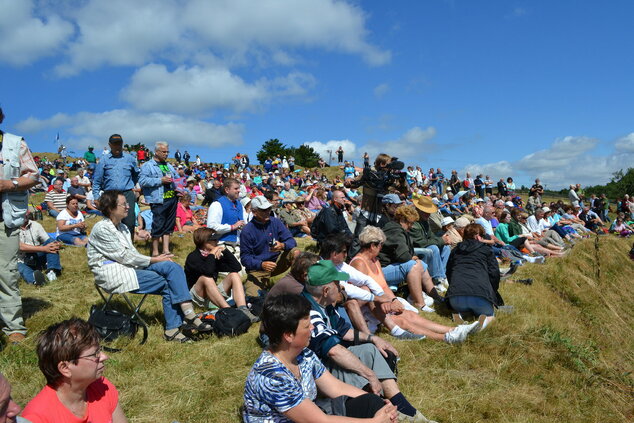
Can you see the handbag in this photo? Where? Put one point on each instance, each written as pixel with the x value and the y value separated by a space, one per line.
pixel 112 324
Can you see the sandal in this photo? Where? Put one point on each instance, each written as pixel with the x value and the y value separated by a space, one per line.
pixel 179 337
pixel 200 326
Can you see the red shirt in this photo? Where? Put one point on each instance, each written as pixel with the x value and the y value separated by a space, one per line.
pixel 102 399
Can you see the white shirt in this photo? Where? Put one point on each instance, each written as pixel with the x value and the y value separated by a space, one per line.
pixel 64 215
pixel 356 281
pixel 214 217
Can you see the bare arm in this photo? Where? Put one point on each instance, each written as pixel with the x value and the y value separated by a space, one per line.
pixel 118 416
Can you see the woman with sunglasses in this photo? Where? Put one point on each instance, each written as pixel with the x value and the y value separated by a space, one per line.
pixel 119 267
pixel 76 391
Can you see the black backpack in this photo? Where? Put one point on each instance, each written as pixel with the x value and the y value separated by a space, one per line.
pixel 231 322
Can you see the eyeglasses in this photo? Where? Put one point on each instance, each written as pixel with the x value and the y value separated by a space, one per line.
pixel 124 205
pixel 95 355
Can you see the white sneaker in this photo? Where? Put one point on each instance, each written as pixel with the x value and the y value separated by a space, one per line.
pixel 409 336
pixel 457 335
pixel 429 301
pixel 51 276
pixel 427 309
pixel 440 288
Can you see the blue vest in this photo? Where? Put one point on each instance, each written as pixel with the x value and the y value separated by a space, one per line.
pixel 231 213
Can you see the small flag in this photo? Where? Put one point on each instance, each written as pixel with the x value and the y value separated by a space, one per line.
pixel 57 139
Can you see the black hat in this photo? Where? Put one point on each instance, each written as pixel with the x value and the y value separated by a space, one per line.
pixel 114 138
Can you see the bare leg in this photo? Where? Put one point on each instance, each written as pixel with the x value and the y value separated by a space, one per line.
pixel 233 283
pixel 155 246
pixel 166 244
pixel 390 388
pixel 353 309
pixel 206 288
pixel 414 282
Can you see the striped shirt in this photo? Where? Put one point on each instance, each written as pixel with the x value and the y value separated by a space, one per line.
pixel 57 198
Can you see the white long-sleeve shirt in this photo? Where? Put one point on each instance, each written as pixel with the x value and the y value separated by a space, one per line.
pixel 356 281
pixel 214 217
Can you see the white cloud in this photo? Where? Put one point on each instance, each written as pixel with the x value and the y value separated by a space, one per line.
pixel 95 128
pixel 496 170
pixel 190 90
pixel 132 33
pixel 349 150
pixel 626 144
pixel 122 32
pixel 568 160
pixel 198 89
pixel 410 146
pixel 381 89
pixel 26 38
pixel 240 24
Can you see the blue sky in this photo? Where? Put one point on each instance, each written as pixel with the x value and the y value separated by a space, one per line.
pixel 508 88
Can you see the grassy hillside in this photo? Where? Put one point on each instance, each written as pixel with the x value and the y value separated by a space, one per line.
pixel 565 354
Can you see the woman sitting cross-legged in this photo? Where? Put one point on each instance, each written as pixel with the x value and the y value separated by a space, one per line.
pixel 283 383
pixel 202 267
pixel 72 361
pixel 119 267
pixel 71 228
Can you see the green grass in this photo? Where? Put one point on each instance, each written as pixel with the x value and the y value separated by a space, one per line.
pixel 566 354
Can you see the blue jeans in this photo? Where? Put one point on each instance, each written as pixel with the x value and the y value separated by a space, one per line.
pixel 396 273
pixel 48 261
pixel 68 238
pixel 53 213
pixel 471 304
pixel 166 278
pixel 435 260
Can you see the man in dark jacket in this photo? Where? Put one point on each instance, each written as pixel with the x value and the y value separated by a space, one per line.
pixel 330 220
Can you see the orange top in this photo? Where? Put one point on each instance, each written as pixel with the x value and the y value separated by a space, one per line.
pixel 373 270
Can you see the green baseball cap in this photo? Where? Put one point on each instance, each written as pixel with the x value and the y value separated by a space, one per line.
pixel 323 272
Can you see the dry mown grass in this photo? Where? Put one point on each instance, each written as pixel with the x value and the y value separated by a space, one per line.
pixel 565 354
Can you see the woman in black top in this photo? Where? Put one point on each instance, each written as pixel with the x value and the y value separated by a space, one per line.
pixel 202 267
pixel 474 276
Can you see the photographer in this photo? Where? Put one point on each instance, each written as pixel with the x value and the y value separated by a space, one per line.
pixel 387 172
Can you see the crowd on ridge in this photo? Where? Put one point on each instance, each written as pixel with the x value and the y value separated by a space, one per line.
pixel 393 244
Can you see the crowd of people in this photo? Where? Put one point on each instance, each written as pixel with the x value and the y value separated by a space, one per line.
pixel 392 245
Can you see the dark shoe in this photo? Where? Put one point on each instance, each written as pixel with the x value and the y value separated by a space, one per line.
pixel 200 326
pixel 178 337
pixel 16 338
pixel 40 279
pixel 528 281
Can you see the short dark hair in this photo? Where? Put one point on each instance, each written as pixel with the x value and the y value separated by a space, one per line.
pixel 202 236
pixel 63 341
pixel 108 202
pixel 71 198
pixel 301 263
pixel 281 314
pixel 334 243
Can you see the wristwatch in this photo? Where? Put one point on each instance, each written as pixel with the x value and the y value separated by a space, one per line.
pixel 15 184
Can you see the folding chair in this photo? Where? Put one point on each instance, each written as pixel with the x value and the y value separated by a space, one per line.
pixel 134 309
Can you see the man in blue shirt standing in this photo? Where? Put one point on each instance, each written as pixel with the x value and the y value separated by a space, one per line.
pixel 117 171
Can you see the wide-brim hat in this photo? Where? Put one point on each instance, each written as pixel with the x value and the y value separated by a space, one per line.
pixel 446 221
pixel 426 205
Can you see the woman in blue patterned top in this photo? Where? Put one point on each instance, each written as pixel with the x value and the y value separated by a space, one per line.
pixel 283 383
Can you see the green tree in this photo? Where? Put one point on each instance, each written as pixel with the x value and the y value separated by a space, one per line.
pixel 271 148
pixel 305 156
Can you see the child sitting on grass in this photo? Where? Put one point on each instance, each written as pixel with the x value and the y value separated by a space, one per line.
pixel 202 267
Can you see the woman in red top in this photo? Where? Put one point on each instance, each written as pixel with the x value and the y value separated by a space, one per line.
pixel 71 359
pixel 185 219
